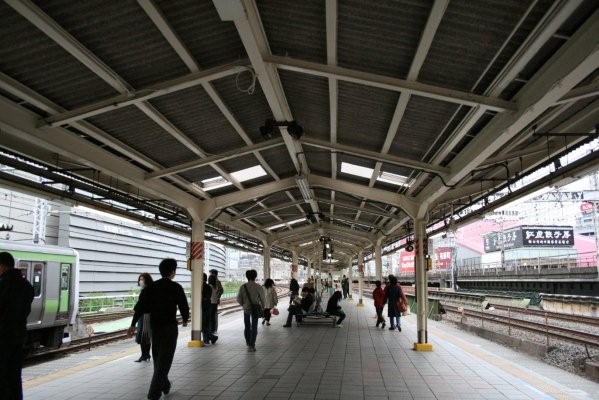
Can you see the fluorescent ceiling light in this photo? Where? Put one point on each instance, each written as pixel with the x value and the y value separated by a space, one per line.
pixel 214 183
pixel 295 221
pixel 302 184
pixel 394 179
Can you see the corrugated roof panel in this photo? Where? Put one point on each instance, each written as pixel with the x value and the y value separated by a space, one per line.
pixel 250 110
pixel 295 29
pixel 319 160
pixel 423 120
pixel 135 129
pixel 364 115
pixel 380 36
pixel 278 159
pixel 211 41
pixel 33 59
pixel 122 36
pixel 308 99
pixel 536 14
pixel 194 113
pixel 469 36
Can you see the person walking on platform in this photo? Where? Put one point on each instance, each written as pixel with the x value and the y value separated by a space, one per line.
pixel 16 295
pixel 209 304
pixel 270 299
pixel 393 293
pixel 378 295
pixel 143 335
pixel 293 289
pixel 161 300
pixel 345 286
pixel 217 295
pixel 251 298
pixel 333 308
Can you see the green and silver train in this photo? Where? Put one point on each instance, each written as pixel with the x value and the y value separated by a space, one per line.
pixel 54 273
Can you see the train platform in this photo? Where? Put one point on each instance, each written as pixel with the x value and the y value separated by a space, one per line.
pixel 316 361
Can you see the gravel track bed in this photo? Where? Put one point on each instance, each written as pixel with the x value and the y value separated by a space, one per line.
pixel 563 354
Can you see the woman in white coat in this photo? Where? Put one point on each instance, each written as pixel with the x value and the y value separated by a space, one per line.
pixel 271 300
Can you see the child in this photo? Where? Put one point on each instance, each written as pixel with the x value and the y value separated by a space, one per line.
pixel 378 295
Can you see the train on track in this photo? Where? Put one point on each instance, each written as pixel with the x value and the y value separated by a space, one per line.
pixel 54 273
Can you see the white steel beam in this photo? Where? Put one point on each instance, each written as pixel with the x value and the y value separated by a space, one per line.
pixel 390 83
pixel 22 92
pixel 15 120
pixel 373 155
pixel 407 205
pixel 147 93
pixel 47 25
pixel 551 22
pixel 573 62
pixel 266 210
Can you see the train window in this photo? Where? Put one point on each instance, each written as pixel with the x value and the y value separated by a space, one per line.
pixel 38 270
pixel 64 277
pixel 24 268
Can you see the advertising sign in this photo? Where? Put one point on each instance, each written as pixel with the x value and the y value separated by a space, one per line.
pixel 530 236
pixel 443 258
pixel 406 262
pixel 552 236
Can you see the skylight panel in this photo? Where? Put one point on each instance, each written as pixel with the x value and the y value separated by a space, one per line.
pixel 356 170
pixel 249 173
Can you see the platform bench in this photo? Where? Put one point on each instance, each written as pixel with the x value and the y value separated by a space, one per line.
pixel 316 318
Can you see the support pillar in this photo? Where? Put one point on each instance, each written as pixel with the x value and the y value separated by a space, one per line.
pixel 294 265
pixel 197 280
pixel 378 262
pixel 266 257
pixel 360 279
pixel 350 278
pixel 421 287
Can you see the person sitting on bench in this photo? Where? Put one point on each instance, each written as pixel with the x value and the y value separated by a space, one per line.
pixel 299 308
pixel 333 307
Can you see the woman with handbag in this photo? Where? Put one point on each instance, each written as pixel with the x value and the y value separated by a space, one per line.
pixel 251 298
pixel 270 300
pixel 393 295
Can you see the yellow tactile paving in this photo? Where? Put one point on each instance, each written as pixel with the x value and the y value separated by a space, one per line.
pixel 506 366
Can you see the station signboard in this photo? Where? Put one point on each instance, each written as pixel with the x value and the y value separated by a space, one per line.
pixel 530 236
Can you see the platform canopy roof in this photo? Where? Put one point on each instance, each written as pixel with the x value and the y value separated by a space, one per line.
pixel 283 123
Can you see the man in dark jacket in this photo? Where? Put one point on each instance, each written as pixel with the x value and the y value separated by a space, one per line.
pixel 161 300
pixel 16 295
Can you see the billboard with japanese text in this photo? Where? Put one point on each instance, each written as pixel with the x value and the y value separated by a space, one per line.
pixel 530 236
pixel 406 262
pixel 443 257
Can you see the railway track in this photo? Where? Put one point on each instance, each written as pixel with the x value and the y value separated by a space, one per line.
pixel 571 335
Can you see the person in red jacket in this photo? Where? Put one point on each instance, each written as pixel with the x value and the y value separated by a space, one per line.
pixel 378 295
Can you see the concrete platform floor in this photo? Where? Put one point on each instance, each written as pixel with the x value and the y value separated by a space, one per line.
pixel 319 361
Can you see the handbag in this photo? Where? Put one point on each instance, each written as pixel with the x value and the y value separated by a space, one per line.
pixel 401 304
pixel 257 309
pixel 274 311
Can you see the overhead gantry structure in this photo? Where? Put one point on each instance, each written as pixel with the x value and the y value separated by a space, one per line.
pixel 269 125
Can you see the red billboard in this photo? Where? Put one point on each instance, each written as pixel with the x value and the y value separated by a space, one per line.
pixel 406 262
pixel 443 257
